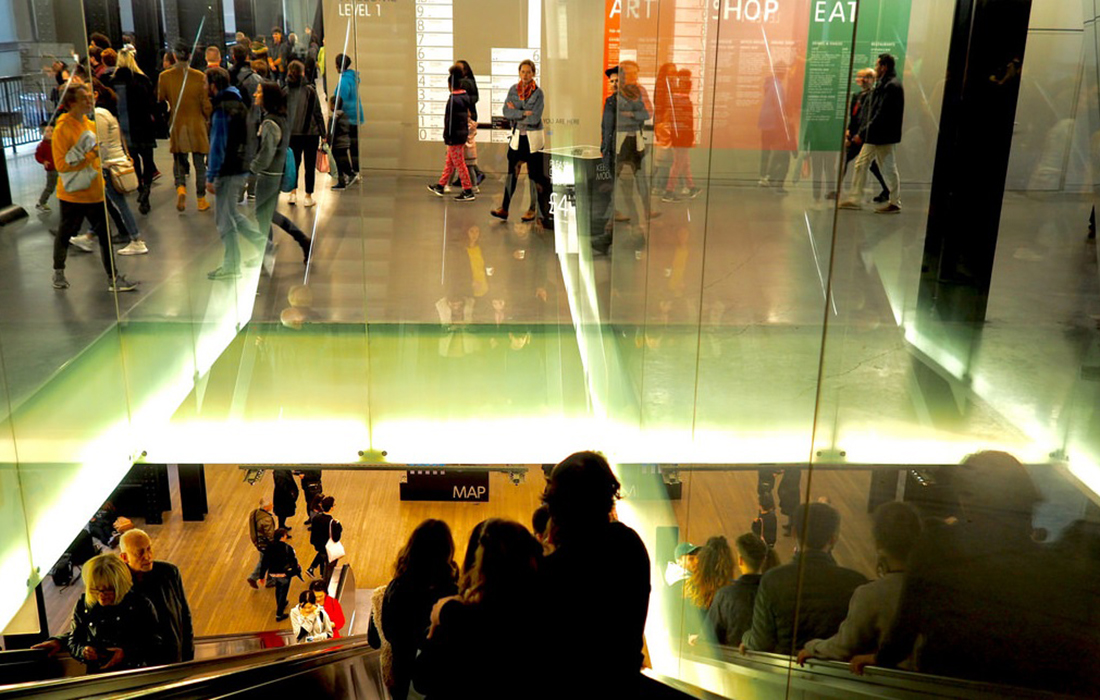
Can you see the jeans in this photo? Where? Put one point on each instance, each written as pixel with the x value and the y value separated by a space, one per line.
pixel 267 198
pixel 282 588
pixel 72 215
pixel 883 154
pixel 50 188
pixel 231 221
pixel 342 156
pixel 305 145
pixel 125 216
pixel 144 166
pixel 181 170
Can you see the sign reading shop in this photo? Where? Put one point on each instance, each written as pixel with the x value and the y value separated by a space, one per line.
pixel 450 485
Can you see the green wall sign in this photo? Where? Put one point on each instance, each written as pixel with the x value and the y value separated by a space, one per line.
pixel 882 27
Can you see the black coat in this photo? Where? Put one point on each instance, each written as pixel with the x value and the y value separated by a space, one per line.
pixel 406 614
pixel 136 98
pixel 131 625
pixel 480 652
pixel 318 530
pixel 826 590
pixel 886 111
pixel 279 558
pixel 285 498
pixel 730 614
pixel 163 586
pixel 456 127
pixel 602 580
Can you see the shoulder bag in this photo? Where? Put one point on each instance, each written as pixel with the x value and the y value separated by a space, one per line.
pixel 334 550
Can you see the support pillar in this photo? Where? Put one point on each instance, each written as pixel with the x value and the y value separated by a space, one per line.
pixel 985 58
pixel 193 492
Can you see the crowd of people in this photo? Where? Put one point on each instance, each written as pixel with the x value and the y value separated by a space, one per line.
pixel 975 595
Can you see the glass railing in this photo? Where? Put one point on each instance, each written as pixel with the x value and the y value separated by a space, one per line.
pixel 699 301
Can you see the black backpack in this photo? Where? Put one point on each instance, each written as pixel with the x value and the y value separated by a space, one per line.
pixel 62 571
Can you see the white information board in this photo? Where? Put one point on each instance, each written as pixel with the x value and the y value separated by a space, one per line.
pixel 434 57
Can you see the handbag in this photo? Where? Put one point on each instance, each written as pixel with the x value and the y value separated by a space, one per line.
pixel 322 161
pixel 290 173
pixel 123 176
pixel 334 550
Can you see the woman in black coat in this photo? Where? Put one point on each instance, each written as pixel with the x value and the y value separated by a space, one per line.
pixel 285 499
pixel 136 101
pixel 425 572
pixel 113 628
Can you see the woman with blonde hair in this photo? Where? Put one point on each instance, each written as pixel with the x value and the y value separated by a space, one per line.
pixel 113 628
pixel 136 118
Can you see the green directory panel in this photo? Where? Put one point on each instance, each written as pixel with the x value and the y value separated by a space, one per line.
pixel 881 26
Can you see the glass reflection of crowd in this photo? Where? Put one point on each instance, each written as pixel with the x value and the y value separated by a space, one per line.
pixel 967 590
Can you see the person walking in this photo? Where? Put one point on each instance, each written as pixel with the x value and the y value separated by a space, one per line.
pixel 347 99
pixel 459 112
pixel 270 160
pixel 882 129
pixel 227 171
pixel 280 564
pixel 306 127
pixel 261 530
pixel 339 134
pixel 854 134
pixel 44 155
pixel 523 109
pixel 136 109
pixel 184 89
pixel 80 189
pixel 324 527
pixel 112 151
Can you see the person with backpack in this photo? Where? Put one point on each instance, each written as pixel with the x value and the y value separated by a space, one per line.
pixel 261 530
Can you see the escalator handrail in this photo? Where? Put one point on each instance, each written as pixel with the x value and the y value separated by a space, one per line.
pixel 871 674
pixel 146 679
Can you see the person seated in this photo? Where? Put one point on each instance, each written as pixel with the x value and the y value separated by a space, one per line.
pixel 825 587
pixel 112 629
pixel 730 613
pixel 492 618
pixel 871 610
pixel 310 621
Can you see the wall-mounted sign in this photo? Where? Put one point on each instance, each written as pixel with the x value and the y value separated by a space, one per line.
pixel 449 485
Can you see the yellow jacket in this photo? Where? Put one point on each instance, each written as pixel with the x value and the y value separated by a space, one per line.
pixel 65 135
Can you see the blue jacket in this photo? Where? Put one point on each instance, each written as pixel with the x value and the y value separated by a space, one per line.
pixel 228 135
pixel 534 104
pixel 347 96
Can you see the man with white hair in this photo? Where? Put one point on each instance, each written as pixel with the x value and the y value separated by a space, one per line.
pixel 261 530
pixel 161 583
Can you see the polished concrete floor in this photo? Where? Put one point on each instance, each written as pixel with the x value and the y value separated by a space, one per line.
pixel 705 335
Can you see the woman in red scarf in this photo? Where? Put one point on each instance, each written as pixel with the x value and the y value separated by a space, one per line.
pixel 523 109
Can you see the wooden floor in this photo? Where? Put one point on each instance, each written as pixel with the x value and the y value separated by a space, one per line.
pixel 216 555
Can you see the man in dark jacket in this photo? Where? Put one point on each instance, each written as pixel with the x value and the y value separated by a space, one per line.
pixel 261 530
pixel 855 133
pixel 885 111
pixel 280 564
pixel 162 584
pixel 227 169
pixel 826 588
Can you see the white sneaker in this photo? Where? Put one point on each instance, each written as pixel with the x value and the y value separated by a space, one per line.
pixel 135 248
pixel 82 242
pixel 292 199
pixel 308 202
pixel 447 189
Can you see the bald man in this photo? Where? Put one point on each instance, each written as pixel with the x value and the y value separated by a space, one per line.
pixel 857 127
pixel 160 582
